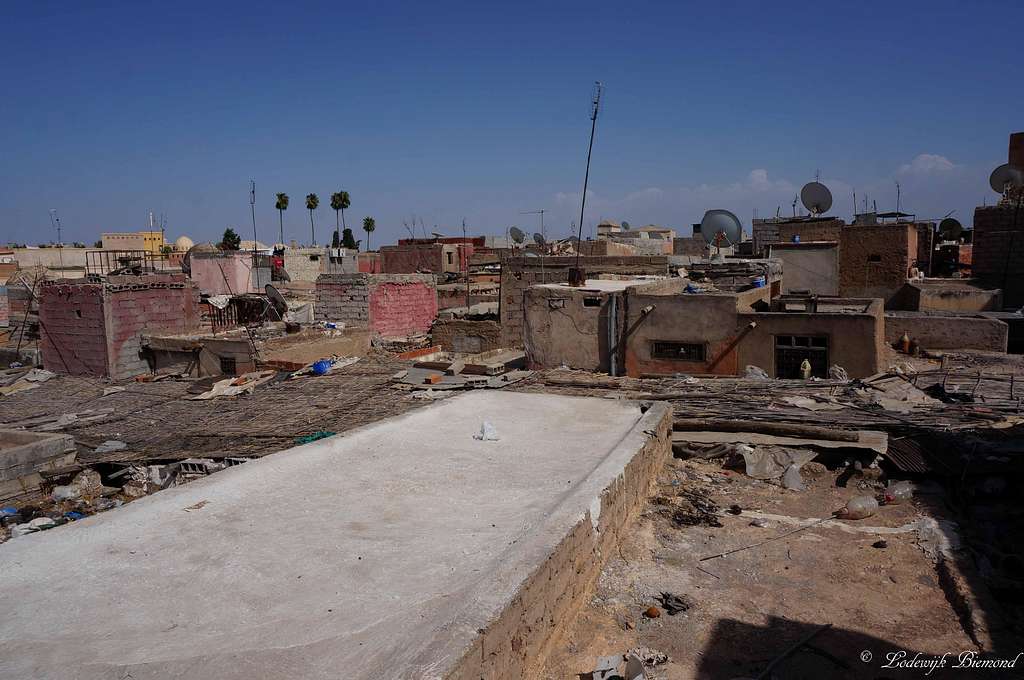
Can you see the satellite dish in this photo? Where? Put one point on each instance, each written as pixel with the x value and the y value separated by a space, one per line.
pixel 280 306
pixel 950 229
pixel 517 235
pixel 816 197
pixel 1004 175
pixel 625 225
pixel 722 222
pixel 539 239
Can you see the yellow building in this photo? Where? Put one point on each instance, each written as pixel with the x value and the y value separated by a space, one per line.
pixel 150 241
pixel 153 241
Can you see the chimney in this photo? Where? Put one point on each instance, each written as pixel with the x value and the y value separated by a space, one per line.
pixel 1016 155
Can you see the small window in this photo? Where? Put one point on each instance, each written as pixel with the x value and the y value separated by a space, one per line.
pixel 874 258
pixel 451 260
pixel 227 365
pixel 802 341
pixel 680 351
pixel 591 302
pixel 314 258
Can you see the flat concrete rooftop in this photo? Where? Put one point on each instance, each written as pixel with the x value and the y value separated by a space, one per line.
pixel 389 551
pixel 603 285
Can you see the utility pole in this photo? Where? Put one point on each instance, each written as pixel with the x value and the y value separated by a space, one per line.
pixel 465 255
pixel 55 222
pixel 576 276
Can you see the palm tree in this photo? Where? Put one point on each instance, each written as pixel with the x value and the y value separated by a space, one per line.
pixel 281 205
pixel 312 202
pixel 369 224
pixel 339 201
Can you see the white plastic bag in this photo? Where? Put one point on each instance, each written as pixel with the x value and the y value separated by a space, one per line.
pixel 487 432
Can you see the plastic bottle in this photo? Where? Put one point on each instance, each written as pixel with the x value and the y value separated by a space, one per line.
pixel 858 508
pixel 900 492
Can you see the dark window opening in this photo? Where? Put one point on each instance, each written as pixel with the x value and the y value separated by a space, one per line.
pixel 792 350
pixel 227 365
pixel 78 313
pixel 874 258
pixel 450 259
pixel 314 258
pixel 591 302
pixel 680 351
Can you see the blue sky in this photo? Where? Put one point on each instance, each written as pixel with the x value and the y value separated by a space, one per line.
pixel 480 110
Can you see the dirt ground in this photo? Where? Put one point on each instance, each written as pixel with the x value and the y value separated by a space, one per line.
pixel 749 607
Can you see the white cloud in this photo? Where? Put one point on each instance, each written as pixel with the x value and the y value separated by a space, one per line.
pixel 926 164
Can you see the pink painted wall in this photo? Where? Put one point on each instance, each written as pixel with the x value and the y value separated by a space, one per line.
pixel 398 309
pixel 223 274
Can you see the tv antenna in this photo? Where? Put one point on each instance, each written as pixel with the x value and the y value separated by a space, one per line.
pixel 576 275
pixel 537 212
pixel 816 197
pixel 897 199
pixel 55 223
pixel 795 200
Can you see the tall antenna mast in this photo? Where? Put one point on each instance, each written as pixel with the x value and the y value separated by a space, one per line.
pixel 55 222
pixel 252 207
pixel 897 201
pixel 576 276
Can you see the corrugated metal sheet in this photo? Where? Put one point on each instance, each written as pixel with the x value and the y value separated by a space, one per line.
pixel 908 455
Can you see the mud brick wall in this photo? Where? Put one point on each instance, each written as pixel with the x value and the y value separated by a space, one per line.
pixel 519 273
pixel 4 308
pixel 695 246
pixel 464 335
pixel 405 259
pixel 391 305
pixel 828 230
pixel 136 304
pixel 763 234
pixel 517 644
pixel 875 261
pixel 73 328
pixel 998 251
pixel 935 330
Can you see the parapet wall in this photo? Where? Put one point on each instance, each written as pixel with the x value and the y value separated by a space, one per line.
pixel 520 273
pixel 390 305
pixel 517 644
pixel 934 330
